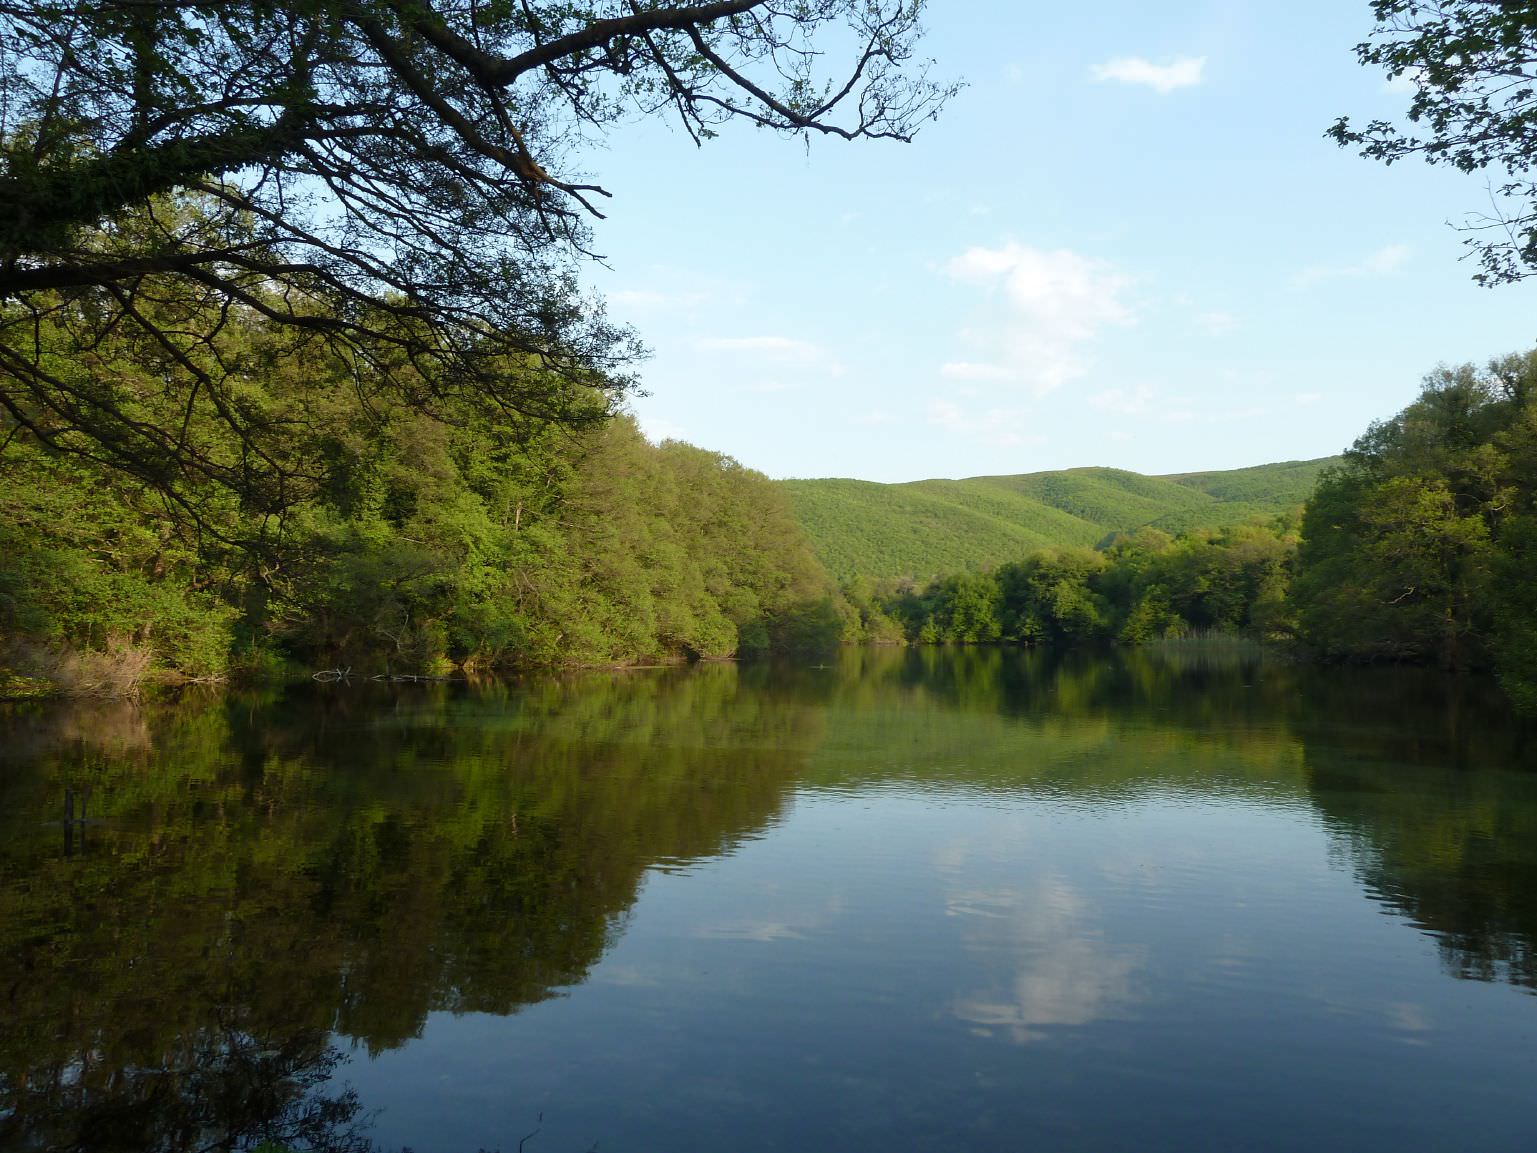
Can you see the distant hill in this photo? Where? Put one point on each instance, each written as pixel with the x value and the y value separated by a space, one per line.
pixel 929 527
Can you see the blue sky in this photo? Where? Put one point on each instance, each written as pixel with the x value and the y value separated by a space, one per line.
pixel 1126 243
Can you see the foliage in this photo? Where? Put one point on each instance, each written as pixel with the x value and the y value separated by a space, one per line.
pixel 363 528
pixel 926 529
pixel 1471 67
pixel 1419 545
pixel 388 182
pixel 426 544
pixel 1144 587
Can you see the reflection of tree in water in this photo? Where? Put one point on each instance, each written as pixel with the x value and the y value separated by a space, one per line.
pixel 217 1092
pixel 1454 852
pixel 1424 781
pixel 1423 778
pixel 262 876
pixel 290 869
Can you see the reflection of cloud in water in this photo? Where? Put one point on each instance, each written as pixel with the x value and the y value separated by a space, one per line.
pixel 1408 1018
pixel 625 977
pixel 1067 975
pixel 781 925
pixel 747 930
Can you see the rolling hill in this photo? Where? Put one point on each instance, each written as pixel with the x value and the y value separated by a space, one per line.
pixel 929 527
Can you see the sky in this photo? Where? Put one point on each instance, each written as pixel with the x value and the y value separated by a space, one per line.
pixel 1127 242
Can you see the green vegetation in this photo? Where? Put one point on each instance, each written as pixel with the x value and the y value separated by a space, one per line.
pixel 362 529
pixel 932 527
pixel 433 546
pixel 394 181
pixel 294 359
pixel 1418 545
pixel 1144 587
pixel 1421 545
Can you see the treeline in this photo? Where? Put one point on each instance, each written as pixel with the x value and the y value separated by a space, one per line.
pixel 1144 586
pixel 1420 545
pixel 299 515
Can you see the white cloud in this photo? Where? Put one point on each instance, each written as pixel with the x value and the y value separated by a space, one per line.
pixel 1383 262
pixel 1217 321
pixel 786 351
pixel 779 346
pixel 1307 399
pixel 1212 416
pixel 639 300
pixel 1181 72
pixel 657 301
pixel 966 370
pixel 1123 403
pixel 1000 427
pixel 1050 305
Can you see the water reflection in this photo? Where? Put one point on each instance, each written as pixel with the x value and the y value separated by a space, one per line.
pixel 1067 973
pixel 264 879
pixel 337 863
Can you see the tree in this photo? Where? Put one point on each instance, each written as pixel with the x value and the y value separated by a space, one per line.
pixel 395 181
pixel 1473 66
pixel 1417 546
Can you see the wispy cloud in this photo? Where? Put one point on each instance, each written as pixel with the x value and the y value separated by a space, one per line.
pixel 780 346
pixel 1000 427
pixel 783 353
pixel 1125 403
pixel 1213 415
pixel 1217 321
pixel 774 385
pixel 641 300
pixel 1383 262
pixel 1049 308
pixel 1181 72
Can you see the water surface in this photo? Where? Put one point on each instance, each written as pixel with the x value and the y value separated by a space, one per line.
pixel 1187 899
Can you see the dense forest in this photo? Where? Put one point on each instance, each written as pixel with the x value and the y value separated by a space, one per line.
pixel 340 524
pixel 1418 545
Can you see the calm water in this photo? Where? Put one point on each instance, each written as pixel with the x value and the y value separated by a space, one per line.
pixel 921 900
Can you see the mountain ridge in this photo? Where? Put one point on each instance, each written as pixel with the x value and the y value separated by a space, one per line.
pixel 925 528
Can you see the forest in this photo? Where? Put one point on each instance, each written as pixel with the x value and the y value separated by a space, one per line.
pixel 352 410
pixel 412 542
pixel 367 532
pixel 1417 546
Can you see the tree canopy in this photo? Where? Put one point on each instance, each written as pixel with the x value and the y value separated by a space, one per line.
pixel 1473 68
pixel 396 181
pixel 1420 544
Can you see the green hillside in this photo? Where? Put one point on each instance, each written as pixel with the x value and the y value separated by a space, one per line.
pixel 928 527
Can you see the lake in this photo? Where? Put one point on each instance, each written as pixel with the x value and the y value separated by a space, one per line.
pixel 1186 898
